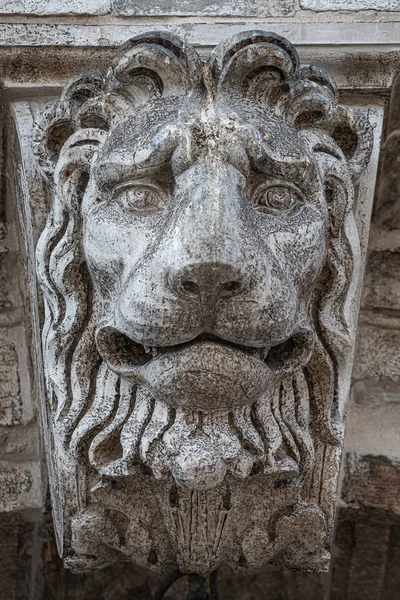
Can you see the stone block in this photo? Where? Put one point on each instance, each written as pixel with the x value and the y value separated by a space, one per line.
pixel 20 486
pixel 377 366
pixel 19 441
pixel 10 394
pixel 325 5
pixel 372 481
pixel 231 8
pixel 15 386
pixel 382 281
pixel 367 557
pixel 373 428
pixel 55 7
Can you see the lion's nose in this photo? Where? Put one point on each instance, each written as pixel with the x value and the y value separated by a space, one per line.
pixel 208 282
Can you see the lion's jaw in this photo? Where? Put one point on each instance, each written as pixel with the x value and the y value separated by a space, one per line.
pixel 208 400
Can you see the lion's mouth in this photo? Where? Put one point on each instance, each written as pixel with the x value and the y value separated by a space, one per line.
pixel 123 354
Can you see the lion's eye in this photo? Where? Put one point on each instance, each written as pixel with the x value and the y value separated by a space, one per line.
pixel 277 199
pixel 142 199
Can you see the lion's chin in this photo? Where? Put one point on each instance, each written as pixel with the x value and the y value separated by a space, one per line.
pixel 202 462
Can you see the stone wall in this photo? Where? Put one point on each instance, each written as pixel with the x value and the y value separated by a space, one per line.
pixel 200 8
pixel 42 43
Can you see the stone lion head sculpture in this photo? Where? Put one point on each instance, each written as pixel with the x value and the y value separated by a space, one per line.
pixel 200 264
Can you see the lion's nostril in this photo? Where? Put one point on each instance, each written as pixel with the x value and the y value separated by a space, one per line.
pixel 231 287
pixel 190 287
pixel 207 282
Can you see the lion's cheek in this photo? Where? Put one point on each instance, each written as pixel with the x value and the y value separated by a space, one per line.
pixel 148 311
pixel 300 253
pixel 267 317
pixel 110 250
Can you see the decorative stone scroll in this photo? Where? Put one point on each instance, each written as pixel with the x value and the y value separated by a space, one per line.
pixel 200 270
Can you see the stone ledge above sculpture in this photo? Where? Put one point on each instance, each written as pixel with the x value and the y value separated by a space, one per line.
pixel 200 268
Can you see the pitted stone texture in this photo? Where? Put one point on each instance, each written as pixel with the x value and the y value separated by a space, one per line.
pixel 382 280
pixel 19 442
pixel 330 5
pixel 367 562
pixel 55 7
pixel 15 392
pixel 372 481
pixel 230 8
pixel 377 373
pixel 10 391
pixel 200 268
pixel 373 424
pixel 20 486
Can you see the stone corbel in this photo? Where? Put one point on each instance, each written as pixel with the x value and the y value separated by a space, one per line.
pixel 199 275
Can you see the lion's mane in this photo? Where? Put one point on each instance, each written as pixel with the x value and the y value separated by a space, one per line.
pixel 93 411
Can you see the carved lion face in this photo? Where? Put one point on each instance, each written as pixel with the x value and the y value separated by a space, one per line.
pixel 205 244
pixel 198 261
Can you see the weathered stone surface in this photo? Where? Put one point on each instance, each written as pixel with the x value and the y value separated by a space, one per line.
pixel 379 350
pixel 377 373
pixel 324 5
pixel 19 442
pixel 15 391
pixel 216 202
pixel 373 424
pixel 382 280
pixel 77 47
pixel 10 390
pixel 386 209
pixel 261 8
pixel 372 481
pixel 55 7
pixel 20 486
pixel 245 8
pixel 379 66
pixel 367 563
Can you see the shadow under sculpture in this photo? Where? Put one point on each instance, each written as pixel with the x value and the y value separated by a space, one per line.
pixel 200 271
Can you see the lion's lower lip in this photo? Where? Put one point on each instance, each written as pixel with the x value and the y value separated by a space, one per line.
pixel 123 354
pixel 126 356
pixel 210 339
pixel 206 376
